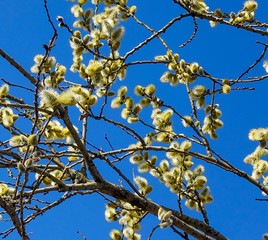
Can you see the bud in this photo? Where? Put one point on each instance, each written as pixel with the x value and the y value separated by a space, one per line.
pixel 136 159
pixel 28 162
pixel 186 145
pixel 125 113
pixel 115 45
pixel 118 34
pixel 187 121
pixel 77 11
pixel 164 165
pixel 226 89
pixel 213 135
pixel 46 181
pixel 129 103
pixel 133 119
pixel 147 190
pixel 82 1
pixel 128 232
pixel 155 173
pixel 250 5
pixel 115 234
pixel 110 93
pixel 15 141
pixel 199 170
pixel 107 25
pixel 190 204
pixel 194 67
pixel 133 10
pixel 123 2
pixel 67 98
pixel 50 62
pixel 165 224
pixel 137 108
pixel 218 123
pixel 116 103
pixel 49 97
pixel 200 181
pixel 86 39
pixel 32 140
pixel 198 91
pixel 21 167
pixel 182 63
pixel 150 90
pixel 92 100
pixel 201 71
pixel 73 158
pixel 166 216
pixel 3 189
pixel 7 121
pixel 77 34
pixel 145 102
pixel 59 18
pixel 144 167
pixel 188 175
pixel 108 2
pixel 122 91
pixel 218 13
pixel 139 91
pixel 141 182
pixel 216 113
pixel 166 77
pixel 4 89
pixel 265 65
pixel 122 74
pixel 200 103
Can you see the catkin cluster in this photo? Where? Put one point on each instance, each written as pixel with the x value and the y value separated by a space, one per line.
pixel 197 5
pixel 43 65
pixel 179 71
pixel 5 190
pixel 180 179
pixel 198 93
pixel 162 122
pixel 260 166
pixel 148 96
pixel 55 131
pixel 245 15
pixel 7 116
pixel 56 77
pixel 46 181
pixel 129 218
pixel 131 110
pixel 165 218
pixel 212 121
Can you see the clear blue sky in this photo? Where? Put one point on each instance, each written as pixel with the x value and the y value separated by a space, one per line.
pixel 222 51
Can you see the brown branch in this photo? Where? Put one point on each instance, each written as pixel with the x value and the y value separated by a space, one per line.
pixel 119 173
pixel 10 210
pixel 162 30
pixel 91 166
pixel 151 234
pixel 221 20
pixel 67 187
pixel 82 235
pixel 123 194
pixel 222 164
pixel 253 65
pixel 18 67
pixel 193 35
pixel 24 106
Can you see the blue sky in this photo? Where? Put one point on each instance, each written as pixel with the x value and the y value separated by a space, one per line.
pixel 223 51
